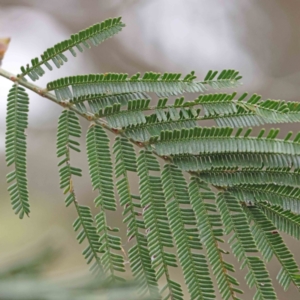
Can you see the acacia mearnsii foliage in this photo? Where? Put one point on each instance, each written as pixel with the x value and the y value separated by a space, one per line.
pixel 199 187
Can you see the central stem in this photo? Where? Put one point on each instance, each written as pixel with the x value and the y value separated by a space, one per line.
pixel 88 116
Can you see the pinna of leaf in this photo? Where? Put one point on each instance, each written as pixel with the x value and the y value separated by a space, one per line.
pixel 256 176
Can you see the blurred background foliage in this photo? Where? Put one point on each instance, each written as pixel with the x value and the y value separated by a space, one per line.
pixel 261 39
pixel 23 279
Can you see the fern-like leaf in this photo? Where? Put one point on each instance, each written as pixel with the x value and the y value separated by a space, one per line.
pixel 284 220
pixel 68 126
pixel 287 197
pixel 219 140
pixel 139 256
pixel 101 172
pixel 217 104
pixel 258 176
pixel 194 265
pixel 154 126
pixel 97 102
pixel 276 110
pixel 68 129
pixel 227 160
pixel 232 176
pixel 100 166
pixel 242 245
pixel 139 126
pixel 226 111
pixel 156 222
pixel 242 118
pixel 225 79
pixel 16 123
pixel 87 230
pixel 162 84
pixel 93 35
pixel 211 236
pixel 270 243
pixel 133 115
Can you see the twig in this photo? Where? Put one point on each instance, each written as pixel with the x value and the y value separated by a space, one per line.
pixel 88 116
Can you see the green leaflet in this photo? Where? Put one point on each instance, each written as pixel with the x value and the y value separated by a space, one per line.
pixel 216 104
pixel 137 123
pixel 100 101
pixel 225 79
pixel 85 225
pixel 68 129
pixel 242 244
pixel 277 110
pixel 166 84
pixel 227 160
pixel 210 235
pixel 15 146
pixel 181 114
pixel 227 111
pixel 244 118
pixel 139 256
pixel 93 35
pixel 240 119
pixel 194 265
pixel 287 197
pixel 101 172
pixel 270 243
pixel 97 102
pixel 161 121
pixel 230 177
pixel 156 223
pixel 284 220
pixel 118 118
pixel 219 140
pixel 100 166
pixel 253 112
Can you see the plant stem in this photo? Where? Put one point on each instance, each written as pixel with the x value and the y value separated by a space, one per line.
pixel 43 92
pixel 88 116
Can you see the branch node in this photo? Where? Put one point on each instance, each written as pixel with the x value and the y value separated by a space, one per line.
pixel 115 130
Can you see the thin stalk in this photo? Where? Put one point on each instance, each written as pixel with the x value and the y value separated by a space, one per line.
pixel 88 116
